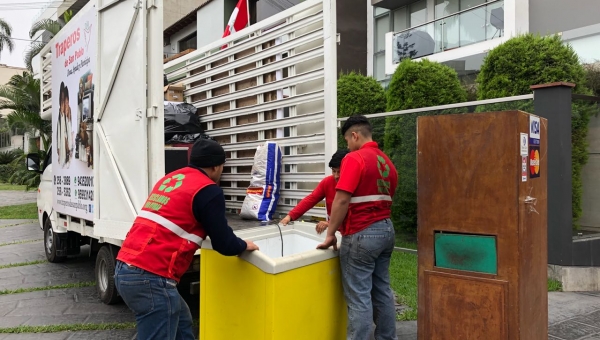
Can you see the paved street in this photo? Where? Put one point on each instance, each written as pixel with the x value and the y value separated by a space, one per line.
pixel 9 197
pixel 56 306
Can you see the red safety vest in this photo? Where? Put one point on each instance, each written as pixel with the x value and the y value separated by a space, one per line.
pixel 371 201
pixel 165 235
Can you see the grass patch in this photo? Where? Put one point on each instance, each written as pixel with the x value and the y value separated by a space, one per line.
pixel 554 285
pixel 69 328
pixel 403 277
pixel 21 264
pixel 5 186
pixel 406 241
pixel 36 289
pixel 19 242
pixel 22 211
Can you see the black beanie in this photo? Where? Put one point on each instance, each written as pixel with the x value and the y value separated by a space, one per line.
pixel 336 159
pixel 207 153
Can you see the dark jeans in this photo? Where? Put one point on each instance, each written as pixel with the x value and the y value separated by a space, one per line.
pixel 160 312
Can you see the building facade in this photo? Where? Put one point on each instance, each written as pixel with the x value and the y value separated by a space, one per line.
pixel 460 33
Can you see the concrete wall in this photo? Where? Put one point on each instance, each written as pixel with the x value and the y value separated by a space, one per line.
pixel 591 180
pixel 177 9
pixel 352 27
pixel 553 16
pixel 211 22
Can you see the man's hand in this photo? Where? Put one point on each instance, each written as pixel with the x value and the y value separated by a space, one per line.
pixel 330 240
pixel 250 246
pixel 322 226
pixel 286 220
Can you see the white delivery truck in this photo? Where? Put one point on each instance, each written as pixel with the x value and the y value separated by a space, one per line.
pixel 102 87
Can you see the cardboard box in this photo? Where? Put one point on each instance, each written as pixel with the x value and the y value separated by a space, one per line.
pixel 174 93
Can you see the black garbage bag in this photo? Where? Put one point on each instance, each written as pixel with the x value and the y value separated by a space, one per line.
pixel 181 119
pixel 190 138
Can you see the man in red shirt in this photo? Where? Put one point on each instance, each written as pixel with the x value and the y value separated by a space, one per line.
pixel 325 190
pixel 361 211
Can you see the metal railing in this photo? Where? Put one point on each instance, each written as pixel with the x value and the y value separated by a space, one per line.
pixel 447 107
pixel 476 24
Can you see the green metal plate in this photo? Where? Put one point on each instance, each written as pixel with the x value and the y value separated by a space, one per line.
pixel 473 253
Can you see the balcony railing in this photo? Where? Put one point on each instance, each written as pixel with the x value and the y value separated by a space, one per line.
pixel 473 25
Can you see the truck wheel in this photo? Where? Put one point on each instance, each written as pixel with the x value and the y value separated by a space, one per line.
pixel 105 275
pixel 50 243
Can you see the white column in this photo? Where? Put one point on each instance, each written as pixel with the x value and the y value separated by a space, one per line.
pixel 516 17
pixel 370 40
pixel 330 79
pixel 430 10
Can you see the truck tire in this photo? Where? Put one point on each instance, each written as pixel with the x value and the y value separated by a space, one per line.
pixel 105 275
pixel 50 243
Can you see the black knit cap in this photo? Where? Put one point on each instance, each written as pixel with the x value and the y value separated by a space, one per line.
pixel 336 159
pixel 207 153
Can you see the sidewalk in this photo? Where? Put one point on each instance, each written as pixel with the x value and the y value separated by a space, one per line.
pixel 571 316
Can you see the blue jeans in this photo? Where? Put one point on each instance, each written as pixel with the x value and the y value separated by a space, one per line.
pixel 160 312
pixel 365 261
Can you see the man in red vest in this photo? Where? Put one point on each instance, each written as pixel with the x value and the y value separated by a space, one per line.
pixel 361 211
pixel 184 207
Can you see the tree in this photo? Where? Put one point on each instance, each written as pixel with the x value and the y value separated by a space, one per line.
pixel 358 94
pixel 511 68
pixel 22 95
pixel 592 73
pixel 53 27
pixel 6 36
pixel 414 85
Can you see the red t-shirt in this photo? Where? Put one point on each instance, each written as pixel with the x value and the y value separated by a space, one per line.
pixel 325 190
pixel 370 176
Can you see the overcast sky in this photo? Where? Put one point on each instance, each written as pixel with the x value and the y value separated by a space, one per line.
pixel 19 14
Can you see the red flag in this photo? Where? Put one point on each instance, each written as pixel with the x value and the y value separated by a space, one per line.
pixel 239 18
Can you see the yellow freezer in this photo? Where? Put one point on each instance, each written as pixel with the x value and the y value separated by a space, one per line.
pixel 263 295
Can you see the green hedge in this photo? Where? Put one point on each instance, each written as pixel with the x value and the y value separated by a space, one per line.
pixel 511 68
pixel 358 94
pixel 414 85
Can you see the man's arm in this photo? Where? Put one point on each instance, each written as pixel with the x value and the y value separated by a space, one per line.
pixel 350 175
pixel 308 202
pixel 209 210
pixel 339 209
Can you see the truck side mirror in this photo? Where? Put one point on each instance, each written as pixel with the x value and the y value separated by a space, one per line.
pixel 33 162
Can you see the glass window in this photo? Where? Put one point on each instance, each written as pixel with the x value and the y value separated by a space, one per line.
pixel 400 19
pixel 188 42
pixel 379 69
pixel 466 4
pixel 418 13
pixel 380 11
pixel 446 7
pixel 382 26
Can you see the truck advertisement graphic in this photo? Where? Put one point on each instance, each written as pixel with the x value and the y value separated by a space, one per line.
pixel 73 66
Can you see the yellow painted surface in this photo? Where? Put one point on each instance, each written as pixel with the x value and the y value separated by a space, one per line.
pixel 240 301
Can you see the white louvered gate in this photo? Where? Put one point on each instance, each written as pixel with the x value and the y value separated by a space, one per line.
pixel 275 80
